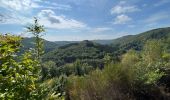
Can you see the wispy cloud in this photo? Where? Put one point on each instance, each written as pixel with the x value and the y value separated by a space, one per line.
pixel 19 5
pixel 122 8
pixel 51 20
pixel 121 11
pixel 14 13
pixel 122 19
pixel 13 18
pixel 52 5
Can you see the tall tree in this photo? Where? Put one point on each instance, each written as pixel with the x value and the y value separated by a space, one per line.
pixel 18 74
pixel 36 30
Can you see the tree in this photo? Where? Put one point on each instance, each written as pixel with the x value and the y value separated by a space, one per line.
pixel 153 51
pixel 49 70
pixel 130 58
pixel 18 74
pixel 36 31
pixel 107 60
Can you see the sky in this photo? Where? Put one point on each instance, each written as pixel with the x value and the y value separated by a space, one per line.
pixel 75 20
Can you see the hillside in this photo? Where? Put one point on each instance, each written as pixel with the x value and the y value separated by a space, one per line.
pixel 137 41
pixel 62 43
pixel 103 42
pixel 85 51
pixel 63 52
pixel 29 43
pixel 93 53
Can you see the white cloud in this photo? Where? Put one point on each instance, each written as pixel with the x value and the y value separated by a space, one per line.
pixel 61 6
pixel 121 8
pixel 122 19
pixel 47 17
pixel 51 20
pixel 13 18
pixel 53 5
pixel 14 11
pixel 19 5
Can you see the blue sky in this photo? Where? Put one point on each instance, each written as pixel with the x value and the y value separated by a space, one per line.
pixel 84 19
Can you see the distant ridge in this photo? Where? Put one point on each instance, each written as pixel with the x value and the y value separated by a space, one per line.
pixel 125 42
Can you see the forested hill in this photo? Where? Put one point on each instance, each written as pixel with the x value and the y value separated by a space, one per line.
pixel 120 45
pixel 29 43
pixel 93 53
pixel 137 41
pixel 159 33
pixel 123 43
pixel 85 51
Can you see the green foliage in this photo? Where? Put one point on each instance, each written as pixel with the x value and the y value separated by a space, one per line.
pixel 50 70
pixel 107 59
pixel 37 30
pixel 86 51
pixel 56 88
pixel 137 42
pixel 29 43
pixel 152 51
pixel 68 72
pixel 18 75
pixel 80 68
pixel 135 77
pixel 130 58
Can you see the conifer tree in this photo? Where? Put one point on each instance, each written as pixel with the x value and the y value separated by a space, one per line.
pixel 36 30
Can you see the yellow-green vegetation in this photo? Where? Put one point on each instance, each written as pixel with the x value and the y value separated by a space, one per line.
pixel 136 77
pixel 20 73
